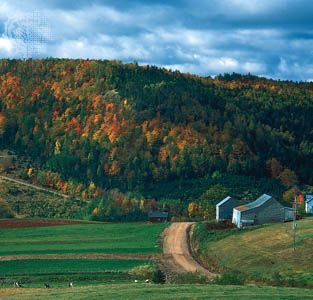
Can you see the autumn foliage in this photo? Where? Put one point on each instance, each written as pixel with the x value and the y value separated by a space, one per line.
pixel 130 127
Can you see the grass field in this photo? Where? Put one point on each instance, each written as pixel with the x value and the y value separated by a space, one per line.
pixel 156 292
pixel 128 245
pixel 85 238
pixel 264 253
pixel 33 273
pixel 67 266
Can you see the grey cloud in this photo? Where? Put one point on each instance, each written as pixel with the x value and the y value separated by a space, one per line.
pixel 269 38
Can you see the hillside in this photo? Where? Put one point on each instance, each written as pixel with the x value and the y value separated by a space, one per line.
pixel 26 201
pixel 105 120
pixel 263 254
pixel 95 125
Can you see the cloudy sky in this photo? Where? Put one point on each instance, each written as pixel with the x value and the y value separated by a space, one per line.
pixel 272 38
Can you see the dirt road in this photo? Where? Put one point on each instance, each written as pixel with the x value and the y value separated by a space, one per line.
pixel 176 250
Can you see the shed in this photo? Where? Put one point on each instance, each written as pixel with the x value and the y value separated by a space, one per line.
pixel 156 216
pixel 224 209
pixel 309 204
pixel 263 210
pixel 289 213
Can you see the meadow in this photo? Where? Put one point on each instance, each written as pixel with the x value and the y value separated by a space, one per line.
pixel 82 238
pixel 264 254
pixel 156 292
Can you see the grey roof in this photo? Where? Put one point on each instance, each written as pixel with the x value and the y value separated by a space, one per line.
pixel 308 198
pixel 288 208
pixel 257 203
pixel 223 201
pixel 157 214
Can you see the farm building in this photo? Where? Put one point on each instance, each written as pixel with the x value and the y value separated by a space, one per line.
pixel 309 204
pixel 224 209
pixel 289 213
pixel 263 210
pixel 156 216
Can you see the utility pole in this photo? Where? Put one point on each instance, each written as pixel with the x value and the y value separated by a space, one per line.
pixel 294 223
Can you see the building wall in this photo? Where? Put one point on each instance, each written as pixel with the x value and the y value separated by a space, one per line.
pixel 236 217
pixel 270 212
pixel 157 219
pixel 289 213
pixel 225 211
pixel 309 207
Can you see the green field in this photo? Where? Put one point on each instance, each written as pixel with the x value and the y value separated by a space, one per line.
pixel 156 292
pixel 264 253
pixel 85 238
pixel 33 273
pixel 131 239
pixel 67 266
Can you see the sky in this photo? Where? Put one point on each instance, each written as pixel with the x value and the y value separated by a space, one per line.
pixel 271 38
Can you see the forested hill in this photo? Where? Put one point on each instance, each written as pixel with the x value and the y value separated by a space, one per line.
pixel 126 125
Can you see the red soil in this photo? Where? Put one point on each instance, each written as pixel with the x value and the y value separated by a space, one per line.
pixel 15 223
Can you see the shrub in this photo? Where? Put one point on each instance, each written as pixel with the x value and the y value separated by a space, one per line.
pixel 158 276
pixel 190 278
pixel 5 210
pixel 143 272
pixel 230 278
pixel 148 272
pixel 277 279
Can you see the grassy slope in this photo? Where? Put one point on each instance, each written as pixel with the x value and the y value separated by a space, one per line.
pixel 91 238
pixel 265 252
pixel 156 292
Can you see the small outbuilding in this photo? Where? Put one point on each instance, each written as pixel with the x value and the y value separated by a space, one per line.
pixel 224 209
pixel 289 213
pixel 309 204
pixel 263 210
pixel 156 216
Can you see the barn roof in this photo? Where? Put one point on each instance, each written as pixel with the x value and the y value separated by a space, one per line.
pixel 223 201
pixel 157 214
pixel 308 198
pixel 257 203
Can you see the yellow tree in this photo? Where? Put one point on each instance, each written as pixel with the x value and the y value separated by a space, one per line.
pixel 288 178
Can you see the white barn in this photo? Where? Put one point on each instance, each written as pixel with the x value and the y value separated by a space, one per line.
pixel 263 210
pixel 224 209
pixel 309 204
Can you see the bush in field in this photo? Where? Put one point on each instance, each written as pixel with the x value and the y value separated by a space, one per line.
pixel 158 277
pixel 148 272
pixel 190 278
pixel 143 272
pixel 5 210
pixel 230 278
